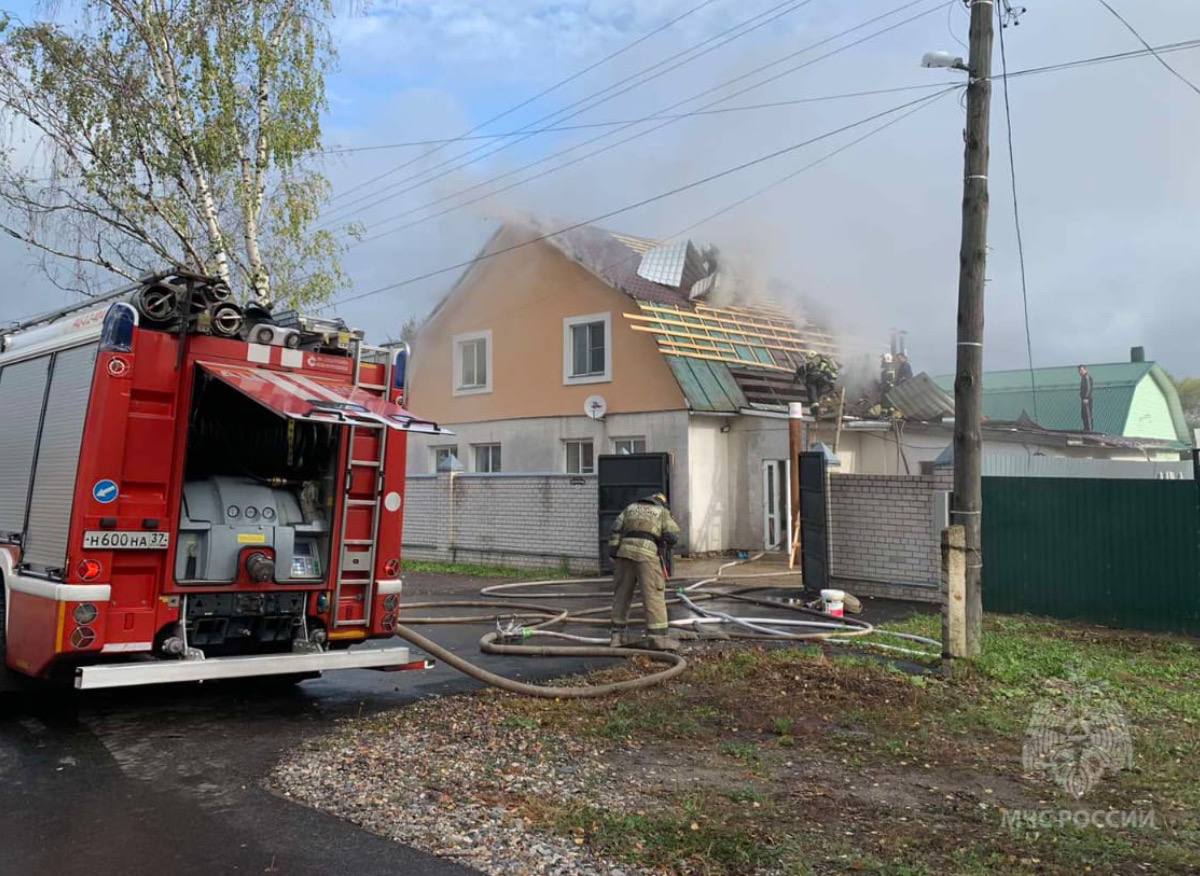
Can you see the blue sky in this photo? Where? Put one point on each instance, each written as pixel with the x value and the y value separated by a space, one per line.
pixel 1105 157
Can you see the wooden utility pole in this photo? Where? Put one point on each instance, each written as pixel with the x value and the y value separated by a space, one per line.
pixel 967 500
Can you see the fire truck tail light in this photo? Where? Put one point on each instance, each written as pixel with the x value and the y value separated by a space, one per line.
pixel 89 570
pixel 82 637
pixel 85 613
pixel 391 568
pixel 390 602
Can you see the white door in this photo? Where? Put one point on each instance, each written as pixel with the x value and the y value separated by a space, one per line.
pixel 777 504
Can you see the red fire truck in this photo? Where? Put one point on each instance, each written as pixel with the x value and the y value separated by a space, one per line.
pixel 192 490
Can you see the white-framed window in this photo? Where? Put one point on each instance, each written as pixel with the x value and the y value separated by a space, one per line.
pixel 580 456
pixel 587 348
pixel 473 363
pixel 633 444
pixel 487 457
pixel 445 457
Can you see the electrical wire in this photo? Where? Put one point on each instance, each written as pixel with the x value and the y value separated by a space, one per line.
pixel 553 129
pixel 950 26
pixel 774 13
pixel 1012 175
pixel 651 130
pixel 1156 55
pixel 662 195
pixel 557 85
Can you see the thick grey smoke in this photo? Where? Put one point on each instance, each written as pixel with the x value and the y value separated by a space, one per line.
pixel 868 240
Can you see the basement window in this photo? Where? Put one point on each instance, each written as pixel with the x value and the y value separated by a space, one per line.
pixel 628 446
pixel 587 351
pixel 445 458
pixel 487 458
pixel 581 457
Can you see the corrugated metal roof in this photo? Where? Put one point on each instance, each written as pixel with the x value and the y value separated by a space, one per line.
pixel 1009 394
pixel 919 398
pixel 708 386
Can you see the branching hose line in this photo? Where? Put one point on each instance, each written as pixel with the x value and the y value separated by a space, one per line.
pixel 500 600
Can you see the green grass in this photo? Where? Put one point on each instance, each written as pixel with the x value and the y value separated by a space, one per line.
pixel 746 752
pixel 471 569
pixel 687 842
pixel 746 713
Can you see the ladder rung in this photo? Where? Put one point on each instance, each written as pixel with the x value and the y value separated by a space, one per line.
pixel 379 386
pixel 361 502
pixel 356 622
pixel 371 463
pixel 358 541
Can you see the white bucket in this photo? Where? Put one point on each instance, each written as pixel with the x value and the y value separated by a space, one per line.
pixel 833 599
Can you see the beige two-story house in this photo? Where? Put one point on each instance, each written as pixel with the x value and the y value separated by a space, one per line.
pixel 543 358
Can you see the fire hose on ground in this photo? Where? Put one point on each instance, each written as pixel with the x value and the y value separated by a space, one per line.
pixel 815 625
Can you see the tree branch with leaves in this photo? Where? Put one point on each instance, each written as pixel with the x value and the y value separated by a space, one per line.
pixel 151 134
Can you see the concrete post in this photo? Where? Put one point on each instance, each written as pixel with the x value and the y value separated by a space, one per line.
pixel 954 591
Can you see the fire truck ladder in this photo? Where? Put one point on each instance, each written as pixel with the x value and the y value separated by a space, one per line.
pixel 361 508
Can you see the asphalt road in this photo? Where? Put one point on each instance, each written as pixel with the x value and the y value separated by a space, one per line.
pixel 168 779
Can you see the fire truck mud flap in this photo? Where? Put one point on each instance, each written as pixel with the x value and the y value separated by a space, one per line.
pixel 107 675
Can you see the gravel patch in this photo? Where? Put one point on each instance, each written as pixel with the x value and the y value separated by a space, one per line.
pixel 451 777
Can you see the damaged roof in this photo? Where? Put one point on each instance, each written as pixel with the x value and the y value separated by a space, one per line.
pixel 724 357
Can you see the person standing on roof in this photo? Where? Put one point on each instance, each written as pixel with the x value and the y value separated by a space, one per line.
pixel 1085 398
pixel 903 368
pixel 640 534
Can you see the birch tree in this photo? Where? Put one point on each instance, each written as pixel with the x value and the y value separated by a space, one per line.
pixel 184 134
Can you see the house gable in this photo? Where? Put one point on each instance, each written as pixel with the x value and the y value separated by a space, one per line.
pixel 523 298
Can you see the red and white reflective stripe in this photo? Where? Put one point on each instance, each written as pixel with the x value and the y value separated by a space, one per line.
pixel 323 391
pixel 304 397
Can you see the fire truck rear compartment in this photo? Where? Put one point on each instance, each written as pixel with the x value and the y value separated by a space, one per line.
pixel 257 497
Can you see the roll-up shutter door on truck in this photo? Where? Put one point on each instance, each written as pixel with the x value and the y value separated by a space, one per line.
pixel 58 457
pixel 22 393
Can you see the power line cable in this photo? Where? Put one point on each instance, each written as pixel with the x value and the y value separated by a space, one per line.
pixel 559 84
pixel 638 134
pixel 1166 48
pixel 1001 14
pixel 1156 55
pixel 669 108
pixel 950 26
pixel 650 200
pixel 932 99
pixel 551 129
pixel 775 104
pixel 773 13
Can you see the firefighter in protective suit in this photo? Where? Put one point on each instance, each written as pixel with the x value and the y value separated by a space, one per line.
pixel 639 534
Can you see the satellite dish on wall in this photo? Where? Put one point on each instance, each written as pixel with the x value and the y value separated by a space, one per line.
pixel 595 407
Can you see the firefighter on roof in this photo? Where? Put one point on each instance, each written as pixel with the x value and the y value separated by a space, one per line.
pixel 640 535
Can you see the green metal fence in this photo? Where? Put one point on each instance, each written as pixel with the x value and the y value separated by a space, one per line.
pixel 1124 553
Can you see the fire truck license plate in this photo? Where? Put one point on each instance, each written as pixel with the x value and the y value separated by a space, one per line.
pixel 124 540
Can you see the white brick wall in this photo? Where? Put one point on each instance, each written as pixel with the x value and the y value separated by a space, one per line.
pixel 525 521
pixel 883 529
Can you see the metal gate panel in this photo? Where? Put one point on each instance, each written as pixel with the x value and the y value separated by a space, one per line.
pixel 623 478
pixel 814 520
pixel 1125 553
pixel 58 457
pixel 22 392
